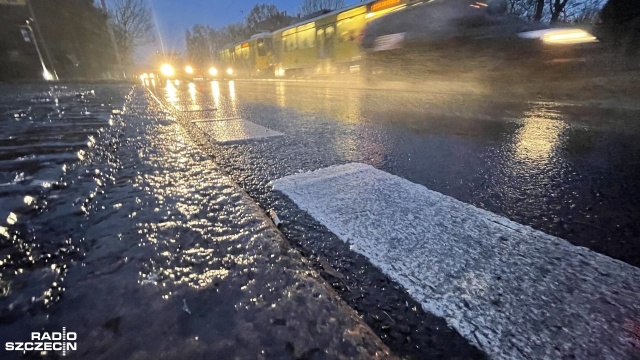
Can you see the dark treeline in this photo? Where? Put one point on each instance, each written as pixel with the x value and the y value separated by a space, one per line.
pixel 75 35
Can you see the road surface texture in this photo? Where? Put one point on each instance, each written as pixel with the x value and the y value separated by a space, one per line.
pixel 121 230
pixel 514 221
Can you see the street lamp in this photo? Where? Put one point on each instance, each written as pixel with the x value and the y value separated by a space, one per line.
pixel 27 34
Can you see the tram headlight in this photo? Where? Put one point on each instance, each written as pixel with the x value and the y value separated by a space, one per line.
pixel 213 71
pixel 188 69
pixel 230 71
pixel 280 72
pixel 167 70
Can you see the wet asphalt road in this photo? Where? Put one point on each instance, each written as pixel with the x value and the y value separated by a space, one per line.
pixel 569 169
pixel 125 226
pixel 140 245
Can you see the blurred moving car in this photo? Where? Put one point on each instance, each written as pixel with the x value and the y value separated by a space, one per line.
pixel 466 37
pixel 188 72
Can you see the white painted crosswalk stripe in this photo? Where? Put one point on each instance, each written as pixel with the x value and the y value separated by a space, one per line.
pixel 227 131
pixel 516 292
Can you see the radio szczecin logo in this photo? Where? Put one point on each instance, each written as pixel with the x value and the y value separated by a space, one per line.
pixel 46 341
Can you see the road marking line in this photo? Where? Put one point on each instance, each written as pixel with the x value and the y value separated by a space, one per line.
pixel 235 130
pixel 516 292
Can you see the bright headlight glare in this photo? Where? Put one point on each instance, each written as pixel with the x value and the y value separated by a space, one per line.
pixel 167 70
pixel 560 36
pixel 568 36
pixel 188 69
pixel 213 71
pixel 230 71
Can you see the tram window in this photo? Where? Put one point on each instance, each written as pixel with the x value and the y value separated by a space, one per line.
pixel 320 37
pixel 262 51
pixel 264 46
pixel 329 32
pixel 305 39
pixel 289 43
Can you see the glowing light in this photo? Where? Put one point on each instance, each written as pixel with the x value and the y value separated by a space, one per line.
pixel 230 71
pixel 213 71
pixel 280 72
pixel 171 93
pixel 215 89
pixel 167 70
pixel 152 75
pixel 384 4
pixel 192 91
pixel 47 75
pixel 232 91
pixel 560 36
pixel 281 94
pixel 188 69
pixel 29 200
pixel 539 138
pixel 569 36
pixel 143 76
pixel 370 15
pixel 232 97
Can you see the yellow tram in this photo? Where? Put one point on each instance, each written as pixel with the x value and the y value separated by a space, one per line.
pixel 326 44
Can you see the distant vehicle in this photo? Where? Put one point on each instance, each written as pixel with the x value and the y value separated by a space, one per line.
pixel 250 58
pixel 456 37
pixel 327 43
pixel 172 67
pixel 185 71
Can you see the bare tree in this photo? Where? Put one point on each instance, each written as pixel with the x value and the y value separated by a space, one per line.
pixel 539 10
pixel 556 10
pixel 311 6
pixel 133 24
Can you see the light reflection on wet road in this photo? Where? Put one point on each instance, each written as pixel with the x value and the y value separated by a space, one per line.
pixel 148 251
pixel 571 171
pixel 145 236
pixel 568 170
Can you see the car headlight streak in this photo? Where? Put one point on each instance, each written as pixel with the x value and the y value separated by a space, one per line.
pixel 560 36
pixel 167 70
